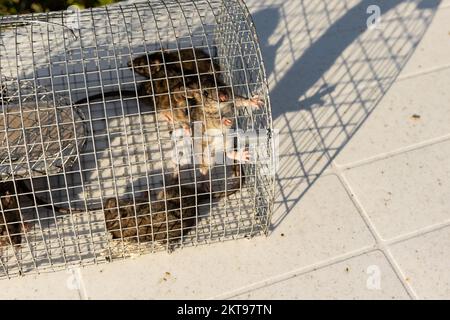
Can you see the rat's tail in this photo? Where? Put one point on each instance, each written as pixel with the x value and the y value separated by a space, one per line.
pixel 103 95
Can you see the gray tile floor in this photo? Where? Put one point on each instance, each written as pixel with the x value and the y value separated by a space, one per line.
pixel 362 208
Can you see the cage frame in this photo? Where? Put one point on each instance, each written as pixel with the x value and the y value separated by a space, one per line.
pixel 49 24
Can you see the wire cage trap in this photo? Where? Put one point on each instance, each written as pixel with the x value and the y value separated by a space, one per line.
pixel 130 129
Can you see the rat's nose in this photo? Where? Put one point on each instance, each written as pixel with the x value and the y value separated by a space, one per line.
pixel 223 96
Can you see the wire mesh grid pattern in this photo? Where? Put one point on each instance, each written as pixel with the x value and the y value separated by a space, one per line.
pixel 91 170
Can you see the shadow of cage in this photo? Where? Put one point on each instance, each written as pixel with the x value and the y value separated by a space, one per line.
pixel 87 161
pixel 327 72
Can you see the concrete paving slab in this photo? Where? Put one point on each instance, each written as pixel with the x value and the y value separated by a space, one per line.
pixel 302 156
pixel 413 111
pixel 432 52
pixel 425 263
pixel 368 276
pixel 48 286
pixel 407 192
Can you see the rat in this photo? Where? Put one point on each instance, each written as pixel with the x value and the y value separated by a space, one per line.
pixel 190 60
pixel 166 84
pixel 176 76
pixel 171 74
pixel 166 219
pixel 172 78
pixel 12 226
pixel 11 193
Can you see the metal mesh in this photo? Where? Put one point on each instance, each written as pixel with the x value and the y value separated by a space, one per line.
pixel 111 159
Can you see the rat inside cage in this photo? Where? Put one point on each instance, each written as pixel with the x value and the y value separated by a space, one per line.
pixel 129 129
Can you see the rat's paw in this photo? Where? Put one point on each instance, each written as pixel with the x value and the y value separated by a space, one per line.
pixel 168 117
pixel 245 156
pixel 227 122
pixel 204 170
pixel 187 131
pixel 257 101
pixel 241 156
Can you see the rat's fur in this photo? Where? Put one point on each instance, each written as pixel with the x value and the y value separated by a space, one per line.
pixel 168 218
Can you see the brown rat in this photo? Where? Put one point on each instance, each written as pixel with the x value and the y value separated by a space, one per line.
pixel 190 60
pixel 166 219
pixel 174 77
pixel 165 89
pixel 171 75
pixel 12 226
